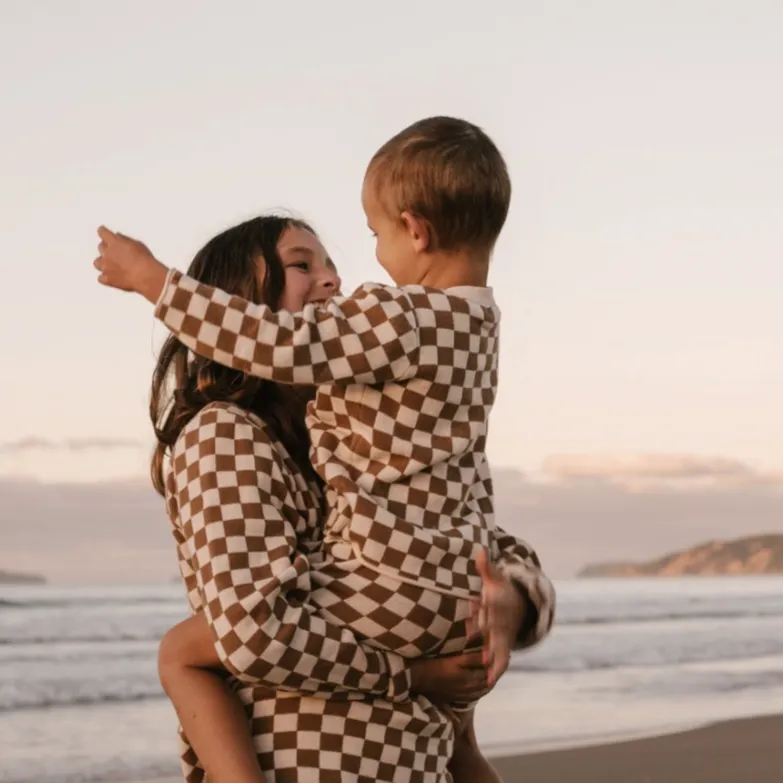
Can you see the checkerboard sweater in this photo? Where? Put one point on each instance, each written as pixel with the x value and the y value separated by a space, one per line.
pixel 249 539
pixel 406 378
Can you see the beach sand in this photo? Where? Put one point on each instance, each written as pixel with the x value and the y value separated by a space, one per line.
pixel 741 751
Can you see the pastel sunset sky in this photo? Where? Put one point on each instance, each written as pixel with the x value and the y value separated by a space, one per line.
pixel 640 274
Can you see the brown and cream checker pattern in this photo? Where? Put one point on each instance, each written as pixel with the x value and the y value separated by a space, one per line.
pixel 237 511
pixel 301 739
pixel 226 470
pixel 406 381
pixel 386 613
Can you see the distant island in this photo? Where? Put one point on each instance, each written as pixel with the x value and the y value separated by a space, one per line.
pixel 10 578
pixel 761 554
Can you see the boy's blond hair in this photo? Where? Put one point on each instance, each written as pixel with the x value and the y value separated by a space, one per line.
pixel 450 173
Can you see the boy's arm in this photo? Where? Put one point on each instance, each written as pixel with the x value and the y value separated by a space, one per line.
pixel 236 517
pixel 519 562
pixel 371 337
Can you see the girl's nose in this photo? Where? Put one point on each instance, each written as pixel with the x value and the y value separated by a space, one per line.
pixel 331 281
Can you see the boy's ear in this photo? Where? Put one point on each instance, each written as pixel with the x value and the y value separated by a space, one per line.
pixel 419 230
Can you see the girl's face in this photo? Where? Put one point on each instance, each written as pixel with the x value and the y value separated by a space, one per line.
pixel 310 275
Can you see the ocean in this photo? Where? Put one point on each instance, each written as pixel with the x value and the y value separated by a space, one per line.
pixel 80 701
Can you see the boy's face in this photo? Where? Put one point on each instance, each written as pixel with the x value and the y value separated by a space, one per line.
pixel 397 247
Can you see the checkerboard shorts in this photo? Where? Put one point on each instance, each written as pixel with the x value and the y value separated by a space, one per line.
pixel 388 613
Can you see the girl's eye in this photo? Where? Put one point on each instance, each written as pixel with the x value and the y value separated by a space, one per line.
pixel 303 265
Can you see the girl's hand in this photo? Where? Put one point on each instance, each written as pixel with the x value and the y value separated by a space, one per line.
pixel 498 618
pixel 129 265
pixel 449 679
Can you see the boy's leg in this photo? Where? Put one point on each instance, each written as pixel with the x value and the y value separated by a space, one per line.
pixel 212 718
pixel 388 614
pixel 468 765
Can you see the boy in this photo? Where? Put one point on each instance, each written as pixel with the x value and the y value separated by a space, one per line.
pixel 406 377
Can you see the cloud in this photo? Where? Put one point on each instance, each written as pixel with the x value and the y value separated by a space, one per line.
pixel 572 523
pixel 112 531
pixel 118 530
pixel 73 445
pixel 641 469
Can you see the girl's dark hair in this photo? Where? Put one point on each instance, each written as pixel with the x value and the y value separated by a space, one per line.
pixel 182 383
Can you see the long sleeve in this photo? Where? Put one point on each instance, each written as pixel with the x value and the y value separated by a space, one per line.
pixel 371 337
pixel 520 563
pixel 238 524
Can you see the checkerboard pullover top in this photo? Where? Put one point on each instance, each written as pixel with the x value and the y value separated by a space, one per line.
pixel 406 378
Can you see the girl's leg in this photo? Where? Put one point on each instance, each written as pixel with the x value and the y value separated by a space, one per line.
pixel 467 765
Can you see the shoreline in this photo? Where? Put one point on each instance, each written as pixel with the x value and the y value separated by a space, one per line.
pixel 725 751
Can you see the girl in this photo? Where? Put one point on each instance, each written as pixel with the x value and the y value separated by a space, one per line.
pixel 245 507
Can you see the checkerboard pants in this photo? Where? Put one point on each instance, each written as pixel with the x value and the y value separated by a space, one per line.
pixel 388 613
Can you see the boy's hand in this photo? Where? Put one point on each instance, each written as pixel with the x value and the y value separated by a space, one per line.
pixel 129 265
pixel 498 618
pixel 449 679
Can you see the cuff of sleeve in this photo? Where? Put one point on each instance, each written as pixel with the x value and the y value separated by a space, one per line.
pixel 164 300
pixel 399 678
pixel 539 595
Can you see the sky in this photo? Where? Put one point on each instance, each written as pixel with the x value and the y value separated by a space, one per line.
pixel 639 274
